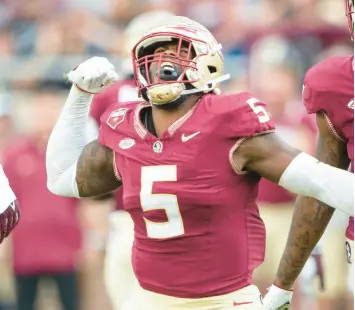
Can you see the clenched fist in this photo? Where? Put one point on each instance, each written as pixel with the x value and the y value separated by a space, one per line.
pixel 94 75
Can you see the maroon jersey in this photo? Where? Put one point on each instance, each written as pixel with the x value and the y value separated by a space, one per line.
pixel 197 229
pixel 122 91
pixel 329 87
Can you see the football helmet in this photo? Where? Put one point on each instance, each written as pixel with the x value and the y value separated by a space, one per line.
pixel 198 70
pixel 349 9
pixel 135 30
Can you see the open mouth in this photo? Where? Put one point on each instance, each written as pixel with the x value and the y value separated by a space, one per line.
pixel 169 72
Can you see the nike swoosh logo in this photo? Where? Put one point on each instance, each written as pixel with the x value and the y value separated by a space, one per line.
pixel 242 303
pixel 187 138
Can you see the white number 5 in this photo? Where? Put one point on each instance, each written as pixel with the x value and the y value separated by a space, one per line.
pixel 167 202
pixel 260 112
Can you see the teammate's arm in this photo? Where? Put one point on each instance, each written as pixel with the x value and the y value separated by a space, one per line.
pixel 273 159
pixel 310 216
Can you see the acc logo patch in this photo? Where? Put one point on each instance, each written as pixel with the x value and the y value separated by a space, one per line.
pixel 116 117
pixel 351 104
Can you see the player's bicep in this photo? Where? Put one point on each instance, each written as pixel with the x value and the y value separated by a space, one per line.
pixel 267 155
pixel 95 171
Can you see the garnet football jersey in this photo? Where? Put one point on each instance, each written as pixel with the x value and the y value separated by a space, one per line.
pixel 329 87
pixel 122 91
pixel 197 226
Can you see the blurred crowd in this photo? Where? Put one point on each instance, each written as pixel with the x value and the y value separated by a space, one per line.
pixel 268 46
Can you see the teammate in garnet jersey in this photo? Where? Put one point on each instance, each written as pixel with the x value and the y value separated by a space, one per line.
pixel 118 273
pixel 329 93
pixel 190 161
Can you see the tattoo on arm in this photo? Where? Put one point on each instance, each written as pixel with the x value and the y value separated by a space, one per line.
pixel 95 173
pixel 310 217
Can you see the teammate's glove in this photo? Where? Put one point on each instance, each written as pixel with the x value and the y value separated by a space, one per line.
pixel 93 75
pixel 9 219
pixel 9 211
pixel 277 299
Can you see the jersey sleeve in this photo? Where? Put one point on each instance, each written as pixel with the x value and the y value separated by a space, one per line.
pixel 101 102
pixel 106 131
pixel 115 123
pixel 311 97
pixel 247 116
pixel 326 83
pixel 328 87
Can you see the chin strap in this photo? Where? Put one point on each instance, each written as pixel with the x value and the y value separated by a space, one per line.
pixel 209 86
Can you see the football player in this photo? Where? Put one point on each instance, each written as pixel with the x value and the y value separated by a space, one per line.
pixel 9 211
pixel 329 93
pixel 190 161
pixel 118 273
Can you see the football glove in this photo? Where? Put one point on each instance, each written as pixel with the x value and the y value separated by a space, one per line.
pixel 93 75
pixel 9 211
pixel 9 219
pixel 277 299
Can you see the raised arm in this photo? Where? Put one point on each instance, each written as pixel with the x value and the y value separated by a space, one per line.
pixel 75 169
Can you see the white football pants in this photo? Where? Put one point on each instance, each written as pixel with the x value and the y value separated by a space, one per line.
pixel 118 272
pixel 247 298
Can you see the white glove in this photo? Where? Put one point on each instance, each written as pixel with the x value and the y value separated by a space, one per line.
pixel 277 299
pixel 93 75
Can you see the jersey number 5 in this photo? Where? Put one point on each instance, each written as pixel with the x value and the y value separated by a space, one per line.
pixel 167 202
pixel 260 112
